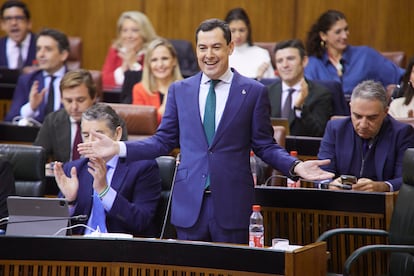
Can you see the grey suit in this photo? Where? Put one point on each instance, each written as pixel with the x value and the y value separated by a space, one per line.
pixel 54 136
pixel 316 110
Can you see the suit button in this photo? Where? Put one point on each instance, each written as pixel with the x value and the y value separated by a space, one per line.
pixel 204 176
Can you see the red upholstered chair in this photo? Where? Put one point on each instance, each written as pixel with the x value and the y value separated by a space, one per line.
pixel 141 120
pixel 75 54
pixel 398 57
pixel 97 79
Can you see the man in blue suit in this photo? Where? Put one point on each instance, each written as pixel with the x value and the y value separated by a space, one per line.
pixel 370 144
pixel 128 191
pixel 18 48
pixel 214 192
pixel 31 98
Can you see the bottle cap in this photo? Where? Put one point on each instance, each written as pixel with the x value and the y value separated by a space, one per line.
pixel 256 208
pixel 294 153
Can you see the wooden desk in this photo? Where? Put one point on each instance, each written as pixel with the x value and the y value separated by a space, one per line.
pixel 302 215
pixel 110 256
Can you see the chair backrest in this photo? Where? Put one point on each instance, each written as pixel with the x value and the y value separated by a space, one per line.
pixel 263 170
pixel 28 164
pixel 270 47
pixel 398 57
pixel 186 56
pixel 402 221
pixel 166 166
pixel 141 120
pixel 74 60
pixel 97 79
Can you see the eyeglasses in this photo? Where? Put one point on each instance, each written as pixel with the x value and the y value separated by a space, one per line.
pixel 18 18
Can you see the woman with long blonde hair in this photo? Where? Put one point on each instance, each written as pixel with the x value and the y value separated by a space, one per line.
pixel 161 68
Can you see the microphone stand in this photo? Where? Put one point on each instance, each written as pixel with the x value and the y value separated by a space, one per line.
pixel 167 211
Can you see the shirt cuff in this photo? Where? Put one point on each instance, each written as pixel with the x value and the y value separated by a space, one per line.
pixel 27 112
pixel 390 185
pixel 122 149
pixel 298 112
pixel 108 199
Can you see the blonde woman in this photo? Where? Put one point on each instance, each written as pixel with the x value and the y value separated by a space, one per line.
pixel 161 68
pixel 135 31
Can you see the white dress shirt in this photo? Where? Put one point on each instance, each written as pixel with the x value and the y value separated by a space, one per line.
pixel 12 51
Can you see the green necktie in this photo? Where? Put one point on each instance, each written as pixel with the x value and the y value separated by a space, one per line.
pixel 209 121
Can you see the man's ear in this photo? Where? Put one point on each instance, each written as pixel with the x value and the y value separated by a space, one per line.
pixel 118 133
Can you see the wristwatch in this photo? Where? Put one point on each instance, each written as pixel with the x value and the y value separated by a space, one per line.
pixel 292 173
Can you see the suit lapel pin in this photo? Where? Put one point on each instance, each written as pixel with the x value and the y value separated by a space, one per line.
pixel 244 92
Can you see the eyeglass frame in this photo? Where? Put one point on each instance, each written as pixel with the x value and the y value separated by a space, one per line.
pixel 18 18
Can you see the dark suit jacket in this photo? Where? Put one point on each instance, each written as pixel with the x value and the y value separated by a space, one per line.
pixel 55 136
pixel 21 95
pixel 138 187
pixel 245 125
pixel 6 186
pixel 316 111
pixel 31 56
pixel 342 146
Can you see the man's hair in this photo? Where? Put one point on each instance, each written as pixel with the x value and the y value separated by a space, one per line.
pixel 77 77
pixel 17 4
pixel 61 38
pixel 103 112
pixel 370 90
pixel 211 24
pixel 292 43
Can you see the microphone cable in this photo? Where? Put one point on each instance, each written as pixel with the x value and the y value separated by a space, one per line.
pixel 78 217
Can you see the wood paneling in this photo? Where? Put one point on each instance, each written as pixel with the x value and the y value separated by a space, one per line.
pixel 382 24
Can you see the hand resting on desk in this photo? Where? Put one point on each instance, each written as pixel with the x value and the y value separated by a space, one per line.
pixel 363 185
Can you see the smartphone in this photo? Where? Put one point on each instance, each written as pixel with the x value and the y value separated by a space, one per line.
pixel 347 181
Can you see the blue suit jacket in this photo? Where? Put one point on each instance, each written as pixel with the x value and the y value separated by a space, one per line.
pixel 22 92
pixel 245 125
pixel 31 56
pixel 342 146
pixel 138 187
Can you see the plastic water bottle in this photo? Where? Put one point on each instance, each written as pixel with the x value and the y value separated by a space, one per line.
pixel 256 228
pixel 253 167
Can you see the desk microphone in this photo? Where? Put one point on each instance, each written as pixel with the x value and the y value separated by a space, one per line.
pixel 167 211
pixel 5 220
